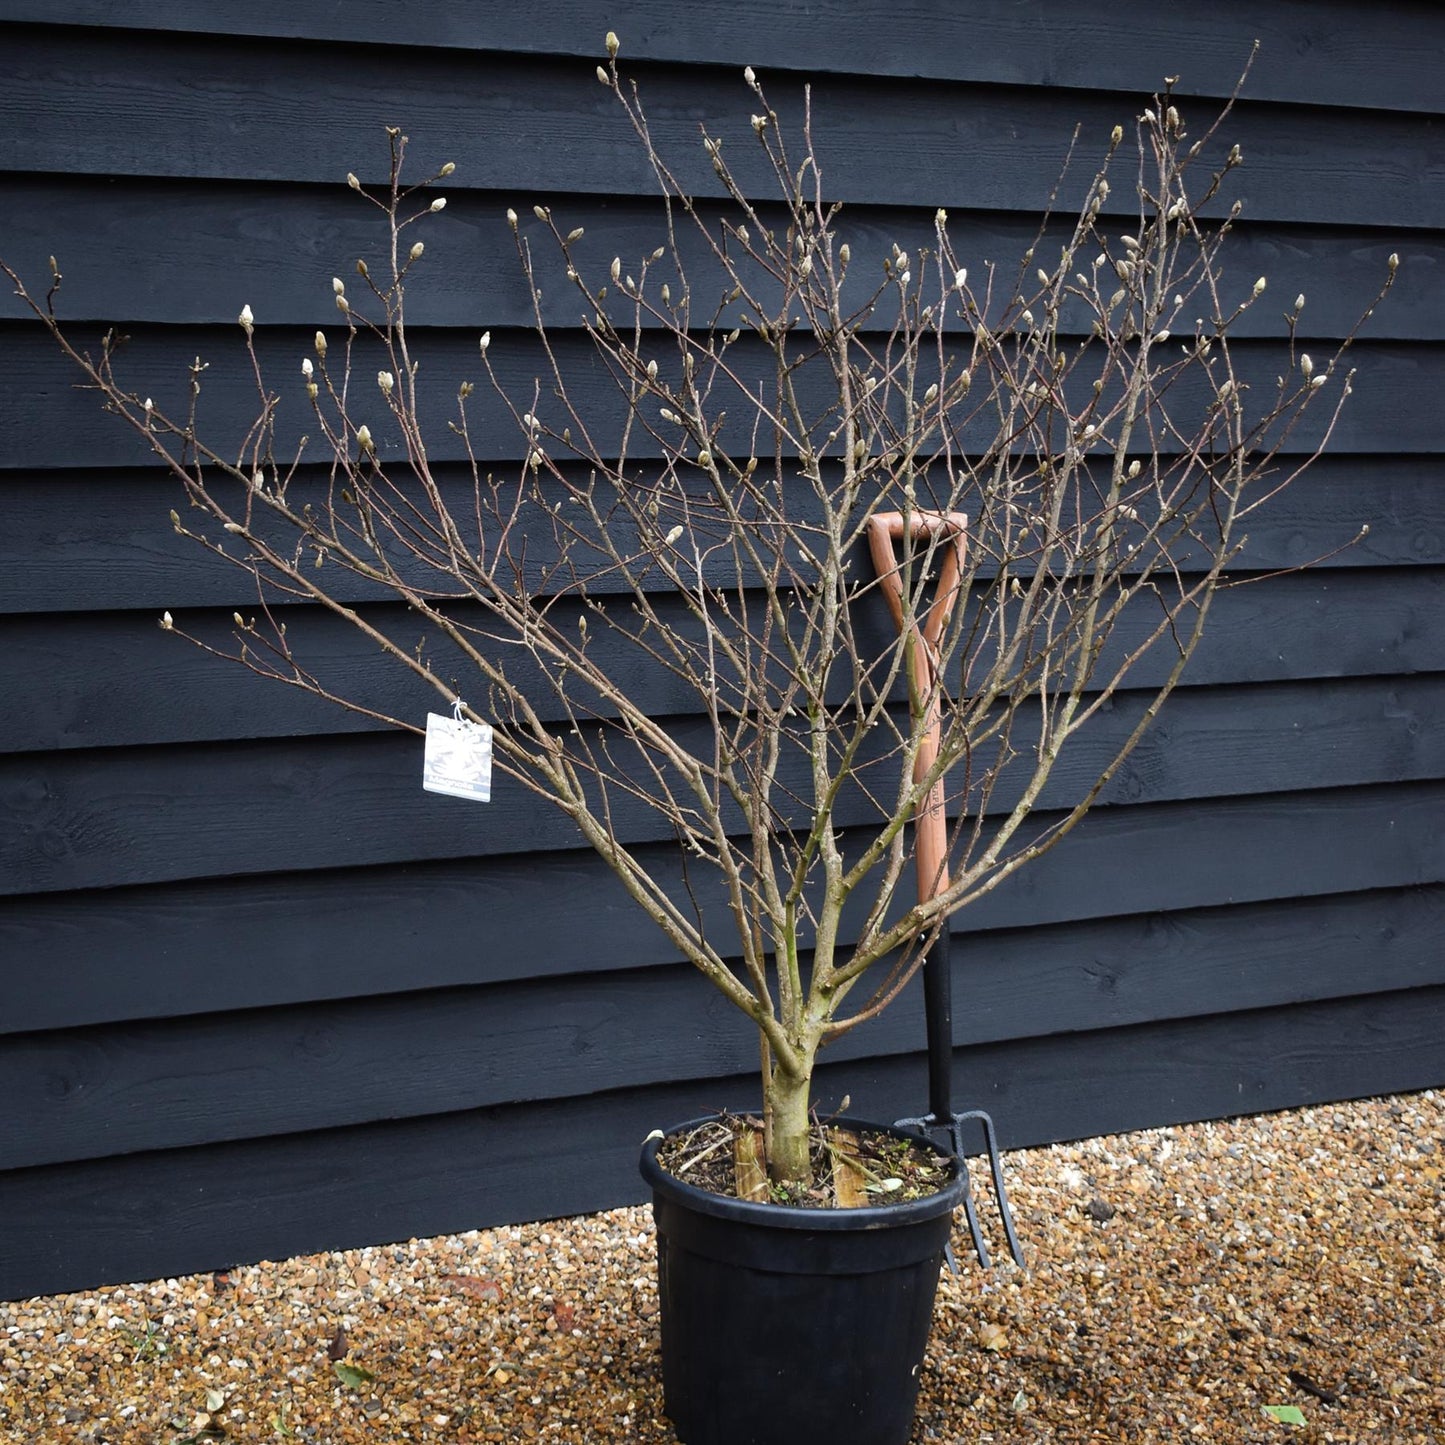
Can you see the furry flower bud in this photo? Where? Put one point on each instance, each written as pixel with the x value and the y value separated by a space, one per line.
pixel 167 621
pixel 352 181
pixel 1259 286
pixel 307 369
pixel 363 437
pixel 603 77
pixel 338 285
pixel 440 204
pixel 321 344
pixel 486 341
pixel 416 250
pixel 613 44
pixel 386 381
pixel 245 319
pixel 673 535
pixel 1306 365
pixel 447 169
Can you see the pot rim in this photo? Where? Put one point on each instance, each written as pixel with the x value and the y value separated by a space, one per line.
pixel 792 1216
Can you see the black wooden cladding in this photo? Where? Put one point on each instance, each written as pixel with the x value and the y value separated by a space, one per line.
pixel 118 679
pixel 251 110
pixel 349 933
pixel 101 820
pixel 259 995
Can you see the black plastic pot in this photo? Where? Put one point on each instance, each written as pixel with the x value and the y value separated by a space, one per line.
pixel 784 1326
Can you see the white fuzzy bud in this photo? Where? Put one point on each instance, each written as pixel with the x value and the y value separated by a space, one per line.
pixel 845 253
pixel 232 527
pixel 613 44
pixel 603 77
pixel 1317 382
pixel 417 248
pixel 167 622
pixel 363 438
pixel 1043 277
pixel 245 319
pixel 485 342
pixel 343 305
pixel 704 458
pixel 960 278
pixel 511 218
pixel 535 458
pixel 1135 467
pixel 1162 336
pixel 1306 365
pixel 1259 286
pixel 576 235
pixel 1394 262
pixel 311 390
pixel 338 285
pixel 668 415
pixel 447 169
pixel 652 370
pixel 321 344
pixel 306 368
pixel 385 380
pixel 616 269
pixel 352 181
pixel 258 480
pixel 805 266
pixel 673 536
pixel 931 394
pixel 540 212
pixel 759 124
pixel 150 406
pixel 750 75
pixel 440 204
pixel 1117 135
pixel 1299 302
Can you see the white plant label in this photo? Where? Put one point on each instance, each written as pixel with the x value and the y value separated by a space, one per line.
pixel 458 759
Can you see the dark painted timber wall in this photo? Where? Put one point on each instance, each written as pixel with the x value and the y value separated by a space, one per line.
pixel 259 994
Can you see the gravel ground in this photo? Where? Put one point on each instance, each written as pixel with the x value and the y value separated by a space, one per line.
pixel 1181 1280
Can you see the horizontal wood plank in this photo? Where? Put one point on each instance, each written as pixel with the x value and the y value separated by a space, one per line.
pixel 273 940
pixel 1308 48
pixel 77 541
pixel 90 1093
pixel 192 252
pixel 52 423
pixel 95 819
pixel 73 1226
pixel 112 102
pixel 105 680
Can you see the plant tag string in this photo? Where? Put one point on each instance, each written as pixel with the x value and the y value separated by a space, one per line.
pixel 458 758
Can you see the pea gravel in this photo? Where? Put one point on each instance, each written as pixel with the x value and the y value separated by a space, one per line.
pixel 1180 1281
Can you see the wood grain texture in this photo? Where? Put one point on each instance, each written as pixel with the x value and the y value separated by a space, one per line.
pixel 80 1094
pixel 105 819
pixel 113 103
pixel 74 1226
pixel 52 423
pixel 88 541
pixel 1308 48
pixel 281 939
pixel 107 680
pixel 192 251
